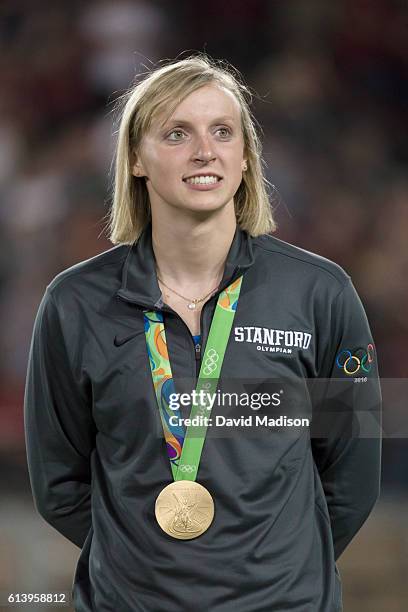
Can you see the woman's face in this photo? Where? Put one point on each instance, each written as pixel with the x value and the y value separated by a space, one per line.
pixel 203 138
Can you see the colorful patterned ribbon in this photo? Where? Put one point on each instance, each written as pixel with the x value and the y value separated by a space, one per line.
pixel 184 447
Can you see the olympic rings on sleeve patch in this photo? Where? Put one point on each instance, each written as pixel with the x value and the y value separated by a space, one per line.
pixel 356 361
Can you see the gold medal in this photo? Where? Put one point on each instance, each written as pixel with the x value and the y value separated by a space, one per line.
pixel 184 509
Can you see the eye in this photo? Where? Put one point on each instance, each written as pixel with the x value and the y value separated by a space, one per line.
pixel 224 132
pixel 176 135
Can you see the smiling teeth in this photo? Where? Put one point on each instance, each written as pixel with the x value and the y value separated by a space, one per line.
pixel 202 180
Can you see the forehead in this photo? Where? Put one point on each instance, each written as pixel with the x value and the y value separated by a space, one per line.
pixel 204 104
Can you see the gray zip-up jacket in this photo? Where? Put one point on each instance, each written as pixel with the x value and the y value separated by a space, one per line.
pixel 287 501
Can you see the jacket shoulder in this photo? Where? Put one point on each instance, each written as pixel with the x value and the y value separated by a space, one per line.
pixel 301 260
pixel 110 259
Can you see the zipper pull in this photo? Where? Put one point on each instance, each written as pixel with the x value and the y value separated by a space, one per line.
pixel 198 351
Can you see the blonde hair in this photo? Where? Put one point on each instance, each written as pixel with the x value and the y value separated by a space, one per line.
pixel 163 89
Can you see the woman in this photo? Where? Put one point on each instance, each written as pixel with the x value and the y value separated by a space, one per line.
pixel 169 515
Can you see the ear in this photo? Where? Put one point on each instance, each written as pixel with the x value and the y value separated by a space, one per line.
pixel 137 166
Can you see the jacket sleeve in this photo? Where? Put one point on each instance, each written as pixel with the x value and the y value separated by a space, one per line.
pixel 59 429
pixel 346 426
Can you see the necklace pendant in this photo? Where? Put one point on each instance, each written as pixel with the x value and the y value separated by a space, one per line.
pixel 191 305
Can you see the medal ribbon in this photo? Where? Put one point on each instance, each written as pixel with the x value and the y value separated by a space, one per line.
pixel 184 447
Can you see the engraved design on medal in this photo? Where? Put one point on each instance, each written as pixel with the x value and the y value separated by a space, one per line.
pixel 184 509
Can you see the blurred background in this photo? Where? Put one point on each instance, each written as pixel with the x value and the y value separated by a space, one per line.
pixel 332 98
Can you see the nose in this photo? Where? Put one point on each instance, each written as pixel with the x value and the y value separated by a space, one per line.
pixel 203 150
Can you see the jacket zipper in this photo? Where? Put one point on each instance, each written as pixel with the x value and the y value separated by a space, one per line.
pixel 197 349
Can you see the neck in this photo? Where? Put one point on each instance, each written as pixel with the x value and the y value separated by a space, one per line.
pixel 190 251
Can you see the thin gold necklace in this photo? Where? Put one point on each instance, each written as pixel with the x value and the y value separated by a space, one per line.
pixel 192 302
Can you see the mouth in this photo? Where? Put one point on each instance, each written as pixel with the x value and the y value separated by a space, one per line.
pixel 203 179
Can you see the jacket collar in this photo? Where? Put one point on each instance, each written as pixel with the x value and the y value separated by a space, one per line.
pixel 139 280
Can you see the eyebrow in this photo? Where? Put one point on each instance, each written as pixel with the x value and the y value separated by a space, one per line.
pixel 217 120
